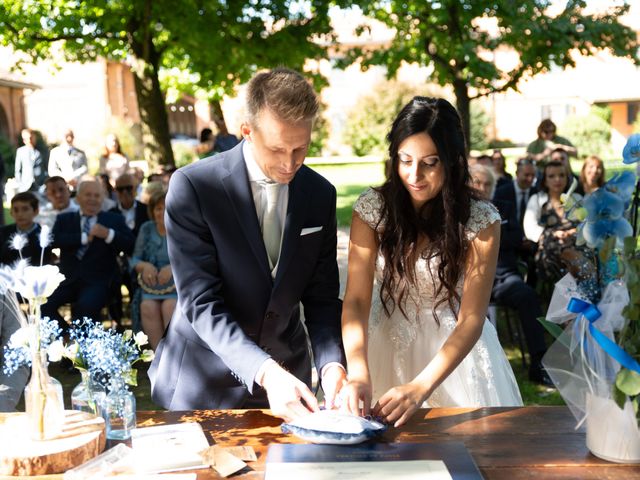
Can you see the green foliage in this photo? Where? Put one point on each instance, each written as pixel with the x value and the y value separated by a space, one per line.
pixel 590 133
pixel 205 46
pixel 603 112
pixel 497 143
pixel 479 124
pixel 320 134
pixel 370 119
pixel 627 384
pixel 8 155
pixel 447 36
pixel 184 154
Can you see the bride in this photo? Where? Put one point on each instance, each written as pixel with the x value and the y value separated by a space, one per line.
pixel 432 246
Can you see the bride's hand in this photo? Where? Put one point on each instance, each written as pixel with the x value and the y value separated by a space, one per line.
pixel 400 403
pixel 354 392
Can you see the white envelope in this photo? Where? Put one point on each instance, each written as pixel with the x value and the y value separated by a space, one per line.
pixel 307 231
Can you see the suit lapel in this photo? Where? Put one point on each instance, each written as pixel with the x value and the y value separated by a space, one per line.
pixel 292 225
pixel 236 184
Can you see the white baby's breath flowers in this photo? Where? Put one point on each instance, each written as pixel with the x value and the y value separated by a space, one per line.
pixel 55 351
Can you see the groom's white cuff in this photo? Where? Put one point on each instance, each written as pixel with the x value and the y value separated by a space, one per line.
pixel 260 373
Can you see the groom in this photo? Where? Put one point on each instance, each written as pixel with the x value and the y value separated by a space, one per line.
pixel 251 234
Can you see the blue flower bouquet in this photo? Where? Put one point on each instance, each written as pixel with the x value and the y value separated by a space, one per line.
pixel 594 360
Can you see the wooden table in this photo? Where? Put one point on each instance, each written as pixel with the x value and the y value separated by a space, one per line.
pixel 506 443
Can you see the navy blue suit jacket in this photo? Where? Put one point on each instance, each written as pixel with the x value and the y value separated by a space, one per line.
pixel 141 216
pixel 231 314
pixel 98 265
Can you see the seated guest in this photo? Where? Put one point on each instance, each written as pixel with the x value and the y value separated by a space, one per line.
pixel 561 155
pixel 11 386
pixel 150 189
pixel 499 163
pixel 592 175
pixel 60 201
pixel 89 241
pixel 510 290
pixel 24 209
pixel 483 180
pixel 545 223
pixel 151 262
pixel 135 214
pixel 520 189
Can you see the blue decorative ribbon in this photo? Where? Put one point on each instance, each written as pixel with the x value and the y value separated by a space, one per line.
pixel 592 314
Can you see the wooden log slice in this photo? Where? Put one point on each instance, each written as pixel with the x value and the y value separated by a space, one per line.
pixel 82 438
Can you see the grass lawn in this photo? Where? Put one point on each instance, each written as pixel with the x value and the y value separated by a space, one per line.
pixel 350 181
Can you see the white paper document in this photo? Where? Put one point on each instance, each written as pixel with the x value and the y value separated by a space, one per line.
pixel 401 470
pixel 166 448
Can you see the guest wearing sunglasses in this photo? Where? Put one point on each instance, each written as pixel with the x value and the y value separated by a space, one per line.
pixel 540 149
pixel 135 214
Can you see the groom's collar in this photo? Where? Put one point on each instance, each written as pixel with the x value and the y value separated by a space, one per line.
pixel 254 171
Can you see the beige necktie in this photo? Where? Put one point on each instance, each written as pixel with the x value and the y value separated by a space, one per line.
pixel 271 227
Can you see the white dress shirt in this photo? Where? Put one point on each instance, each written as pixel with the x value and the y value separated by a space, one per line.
pixel 256 177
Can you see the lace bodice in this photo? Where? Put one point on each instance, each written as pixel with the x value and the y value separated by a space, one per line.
pixel 369 209
pixel 420 300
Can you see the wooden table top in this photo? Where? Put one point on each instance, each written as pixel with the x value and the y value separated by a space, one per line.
pixel 506 443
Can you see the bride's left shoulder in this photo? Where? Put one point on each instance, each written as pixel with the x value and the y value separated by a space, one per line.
pixel 482 214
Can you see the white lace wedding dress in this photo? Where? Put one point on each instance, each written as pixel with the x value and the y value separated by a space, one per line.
pixel 400 348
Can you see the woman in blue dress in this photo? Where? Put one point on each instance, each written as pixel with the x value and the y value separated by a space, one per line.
pixel 151 263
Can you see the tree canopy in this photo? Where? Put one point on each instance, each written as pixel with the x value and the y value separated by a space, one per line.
pixel 459 39
pixel 216 44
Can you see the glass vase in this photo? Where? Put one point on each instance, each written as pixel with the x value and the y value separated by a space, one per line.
pixel 88 395
pixel 119 410
pixel 43 400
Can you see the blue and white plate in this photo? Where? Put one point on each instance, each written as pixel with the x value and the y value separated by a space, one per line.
pixel 334 427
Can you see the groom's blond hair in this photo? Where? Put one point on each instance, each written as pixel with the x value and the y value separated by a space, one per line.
pixel 285 93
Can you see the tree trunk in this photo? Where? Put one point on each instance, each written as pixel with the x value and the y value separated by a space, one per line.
pixel 153 114
pixel 218 117
pixel 462 104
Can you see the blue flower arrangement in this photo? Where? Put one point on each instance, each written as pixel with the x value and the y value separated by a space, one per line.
pixel 598 354
pixel 106 354
pixel 18 351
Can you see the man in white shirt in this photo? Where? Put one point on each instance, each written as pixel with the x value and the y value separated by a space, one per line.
pixel 68 161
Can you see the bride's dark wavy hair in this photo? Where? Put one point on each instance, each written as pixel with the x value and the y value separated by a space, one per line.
pixel 441 219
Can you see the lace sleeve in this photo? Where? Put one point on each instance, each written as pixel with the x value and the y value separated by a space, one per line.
pixel 482 215
pixel 369 207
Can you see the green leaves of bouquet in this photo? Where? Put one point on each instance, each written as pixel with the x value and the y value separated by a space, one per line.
pixel 628 381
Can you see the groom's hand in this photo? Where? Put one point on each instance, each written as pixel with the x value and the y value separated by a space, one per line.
pixel 285 393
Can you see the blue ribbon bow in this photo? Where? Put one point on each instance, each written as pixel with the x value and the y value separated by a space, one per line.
pixel 592 314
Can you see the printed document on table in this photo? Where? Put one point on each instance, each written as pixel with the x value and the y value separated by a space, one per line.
pixel 400 470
